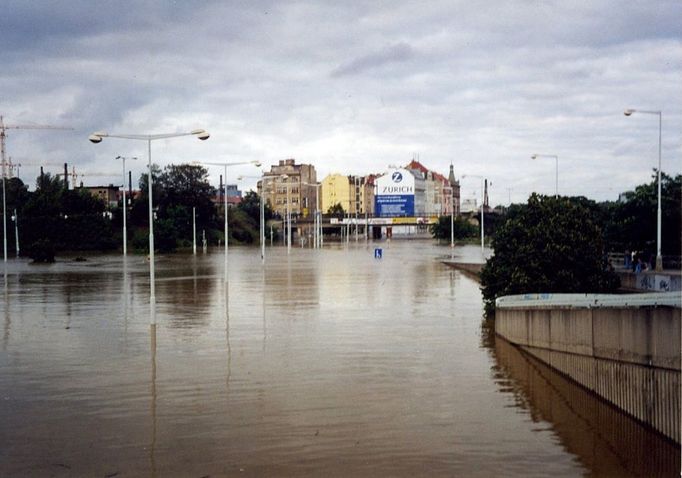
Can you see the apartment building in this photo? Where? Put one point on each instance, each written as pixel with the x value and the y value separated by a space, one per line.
pixel 291 185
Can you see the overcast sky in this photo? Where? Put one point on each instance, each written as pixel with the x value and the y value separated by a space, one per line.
pixel 352 87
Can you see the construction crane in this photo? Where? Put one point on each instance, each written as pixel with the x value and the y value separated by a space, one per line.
pixel 4 127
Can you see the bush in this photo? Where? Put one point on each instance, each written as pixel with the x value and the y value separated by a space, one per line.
pixel 549 245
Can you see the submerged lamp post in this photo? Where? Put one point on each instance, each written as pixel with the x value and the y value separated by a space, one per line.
pixel 97 138
pixel 226 165
pixel 659 257
pixel 482 208
pixel 317 236
pixel 262 215
pixel 125 205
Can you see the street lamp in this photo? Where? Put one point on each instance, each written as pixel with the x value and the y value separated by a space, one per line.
pixel 125 205
pixel 482 207
pixel 318 221
pixel 285 177
pixel 556 183
pixel 659 257
pixel 97 138
pixel 226 165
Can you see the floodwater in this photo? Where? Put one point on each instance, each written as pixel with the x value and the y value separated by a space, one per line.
pixel 319 363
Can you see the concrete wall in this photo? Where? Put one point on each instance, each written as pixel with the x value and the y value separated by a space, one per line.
pixel 627 354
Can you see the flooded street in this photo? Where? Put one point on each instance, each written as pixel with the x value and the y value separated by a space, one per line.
pixel 318 363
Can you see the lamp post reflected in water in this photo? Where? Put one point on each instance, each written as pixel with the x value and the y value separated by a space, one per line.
pixel 97 138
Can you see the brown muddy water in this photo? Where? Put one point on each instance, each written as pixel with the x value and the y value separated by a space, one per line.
pixel 320 363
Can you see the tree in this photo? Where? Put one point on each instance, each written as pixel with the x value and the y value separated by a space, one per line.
pixel 462 228
pixel 336 210
pixel 250 205
pixel 631 224
pixel 55 219
pixel 548 245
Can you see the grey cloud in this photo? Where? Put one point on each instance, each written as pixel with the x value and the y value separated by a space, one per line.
pixel 397 53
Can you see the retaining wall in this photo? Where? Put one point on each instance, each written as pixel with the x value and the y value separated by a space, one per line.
pixel 624 348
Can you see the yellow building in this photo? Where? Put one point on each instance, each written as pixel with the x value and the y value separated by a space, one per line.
pixel 335 190
pixel 355 194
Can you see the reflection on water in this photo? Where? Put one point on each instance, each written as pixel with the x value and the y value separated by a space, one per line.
pixel 608 442
pixel 317 363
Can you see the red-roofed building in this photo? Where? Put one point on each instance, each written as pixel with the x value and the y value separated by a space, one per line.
pixel 441 193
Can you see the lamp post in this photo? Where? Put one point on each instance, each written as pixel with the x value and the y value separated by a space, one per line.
pixel 556 179
pixel 659 257
pixel 452 216
pixel 285 177
pixel 97 138
pixel 482 208
pixel 194 230
pixel 125 205
pixel 226 165
pixel 15 218
pixel 318 222
pixel 262 215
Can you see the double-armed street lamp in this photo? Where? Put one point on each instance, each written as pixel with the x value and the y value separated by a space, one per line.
pixel 226 230
pixel 125 205
pixel 659 257
pixel 482 178
pixel 556 170
pixel 97 138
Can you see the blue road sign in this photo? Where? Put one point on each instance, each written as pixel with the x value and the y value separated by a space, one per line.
pixel 378 252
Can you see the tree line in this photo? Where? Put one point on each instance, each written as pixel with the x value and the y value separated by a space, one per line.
pixel 562 244
pixel 53 219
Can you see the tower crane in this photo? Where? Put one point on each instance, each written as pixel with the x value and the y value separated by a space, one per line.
pixel 4 127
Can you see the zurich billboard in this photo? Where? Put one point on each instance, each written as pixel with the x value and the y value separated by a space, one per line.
pixel 395 194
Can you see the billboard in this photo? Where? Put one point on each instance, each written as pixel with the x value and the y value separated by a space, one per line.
pixel 395 194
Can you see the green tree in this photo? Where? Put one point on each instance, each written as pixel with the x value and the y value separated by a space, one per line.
pixel 462 228
pixel 631 224
pixel 250 205
pixel 54 219
pixel 548 245
pixel 336 210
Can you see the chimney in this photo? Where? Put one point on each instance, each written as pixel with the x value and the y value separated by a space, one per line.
pixel 66 176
